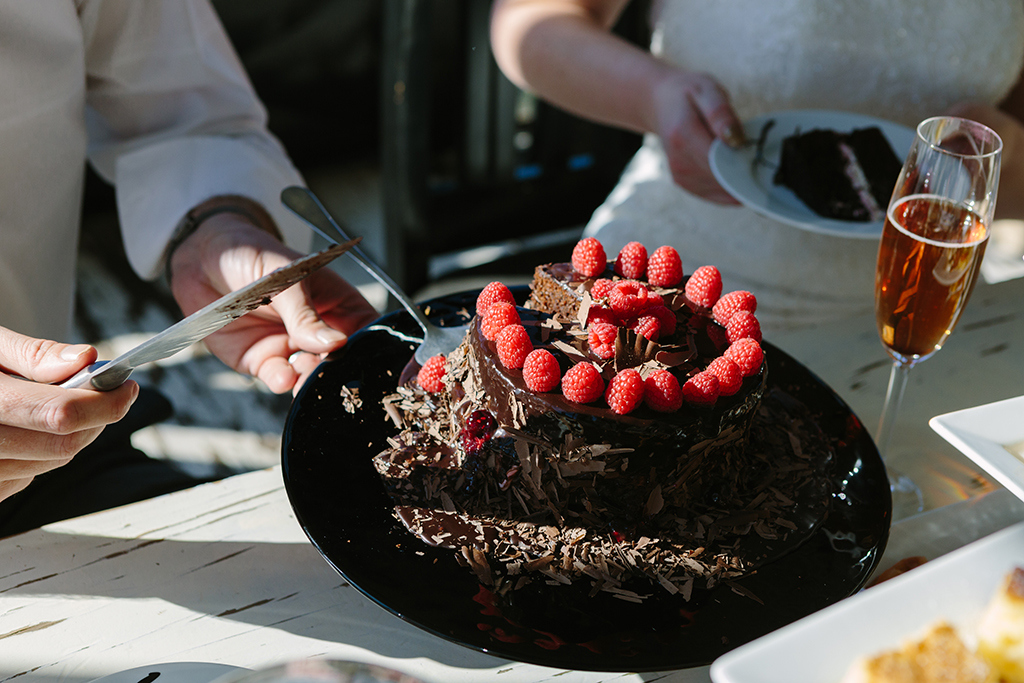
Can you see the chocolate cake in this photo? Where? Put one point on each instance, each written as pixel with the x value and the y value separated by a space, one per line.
pixel 526 484
pixel 846 176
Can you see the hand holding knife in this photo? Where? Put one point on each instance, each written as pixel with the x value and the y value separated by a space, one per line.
pixel 108 375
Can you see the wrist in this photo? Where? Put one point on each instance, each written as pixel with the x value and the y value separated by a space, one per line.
pixel 223 205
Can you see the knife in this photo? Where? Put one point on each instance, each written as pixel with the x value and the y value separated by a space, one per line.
pixel 107 375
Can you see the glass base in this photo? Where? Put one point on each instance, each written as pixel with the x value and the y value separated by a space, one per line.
pixel 907 499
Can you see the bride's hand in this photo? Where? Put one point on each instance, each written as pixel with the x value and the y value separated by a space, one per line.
pixel 690 111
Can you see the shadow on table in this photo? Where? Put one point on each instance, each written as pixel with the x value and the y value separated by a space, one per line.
pixel 282 586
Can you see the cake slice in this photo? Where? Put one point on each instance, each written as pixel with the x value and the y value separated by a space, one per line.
pixel 846 176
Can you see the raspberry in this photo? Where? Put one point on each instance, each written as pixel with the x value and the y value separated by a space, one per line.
pixel 702 389
pixel 662 392
pixel 541 371
pixel 431 375
pixel 491 294
pixel 632 261
pixel 588 257
pixel 730 378
pixel 747 354
pixel 739 300
pixel 647 326
pixel 664 267
pixel 599 314
pixel 628 298
pixel 743 325
pixel 499 315
pixel 513 344
pixel 475 434
pixel 704 286
pixel 601 288
pixel 665 317
pixel 601 338
pixel 481 423
pixel 582 383
pixel 625 391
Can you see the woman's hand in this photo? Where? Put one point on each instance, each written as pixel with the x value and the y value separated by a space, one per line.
pixel 43 426
pixel 689 112
pixel 1010 202
pixel 565 51
pixel 280 343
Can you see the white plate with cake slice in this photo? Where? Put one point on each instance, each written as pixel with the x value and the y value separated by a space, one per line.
pixel 748 173
pixel 956 589
pixel 992 436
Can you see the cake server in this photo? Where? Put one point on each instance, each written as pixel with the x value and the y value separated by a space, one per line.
pixel 107 375
pixel 436 340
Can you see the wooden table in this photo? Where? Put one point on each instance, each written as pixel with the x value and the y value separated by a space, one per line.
pixel 222 573
pixel 981 362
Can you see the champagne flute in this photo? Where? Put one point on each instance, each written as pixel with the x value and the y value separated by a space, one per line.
pixel 932 244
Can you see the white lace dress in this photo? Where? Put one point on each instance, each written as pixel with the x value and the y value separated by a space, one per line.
pixel 902 60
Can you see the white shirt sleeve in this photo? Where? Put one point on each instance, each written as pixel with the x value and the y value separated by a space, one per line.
pixel 172 120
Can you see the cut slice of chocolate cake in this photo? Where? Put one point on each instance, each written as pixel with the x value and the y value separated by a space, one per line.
pixel 846 176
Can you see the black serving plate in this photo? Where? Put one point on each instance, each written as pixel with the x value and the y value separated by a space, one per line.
pixel 343 508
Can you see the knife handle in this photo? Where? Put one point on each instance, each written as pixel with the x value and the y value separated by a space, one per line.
pixel 85 379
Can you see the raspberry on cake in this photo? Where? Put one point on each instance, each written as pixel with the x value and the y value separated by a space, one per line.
pixel 631 262
pixel 743 325
pixel 512 345
pixel 625 391
pixel 431 375
pixel 704 286
pixel 582 383
pixel 728 304
pixel 664 267
pixel 541 371
pixel 701 389
pixel 588 257
pixel 662 392
pixel 491 294
pixel 498 316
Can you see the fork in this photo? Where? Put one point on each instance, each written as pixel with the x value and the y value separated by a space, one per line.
pixel 436 340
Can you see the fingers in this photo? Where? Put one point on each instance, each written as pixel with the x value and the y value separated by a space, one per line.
pixel 712 102
pixel 42 360
pixel 55 410
pixel 321 313
pixel 693 111
pixel 9 487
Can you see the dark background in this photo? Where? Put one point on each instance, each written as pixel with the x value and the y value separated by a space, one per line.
pixel 410 87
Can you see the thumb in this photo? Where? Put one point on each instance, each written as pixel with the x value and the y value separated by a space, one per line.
pixel 42 360
pixel 306 329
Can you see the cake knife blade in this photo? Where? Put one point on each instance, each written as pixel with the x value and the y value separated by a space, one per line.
pixel 107 375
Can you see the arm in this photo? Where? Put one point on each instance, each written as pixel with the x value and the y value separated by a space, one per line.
pixel 564 50
pixel 1008 121
pixel 175 125
pixel 43 426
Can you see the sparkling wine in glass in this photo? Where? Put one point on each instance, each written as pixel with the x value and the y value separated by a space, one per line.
pixel 932 244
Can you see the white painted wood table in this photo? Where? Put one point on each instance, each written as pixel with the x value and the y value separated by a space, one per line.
pixel 222 573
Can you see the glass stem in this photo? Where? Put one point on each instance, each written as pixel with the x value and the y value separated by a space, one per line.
pixel 893 398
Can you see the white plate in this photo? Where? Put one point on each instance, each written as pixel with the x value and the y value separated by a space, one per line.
pixel 983 435
pixel 751 183
pixel 819 648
